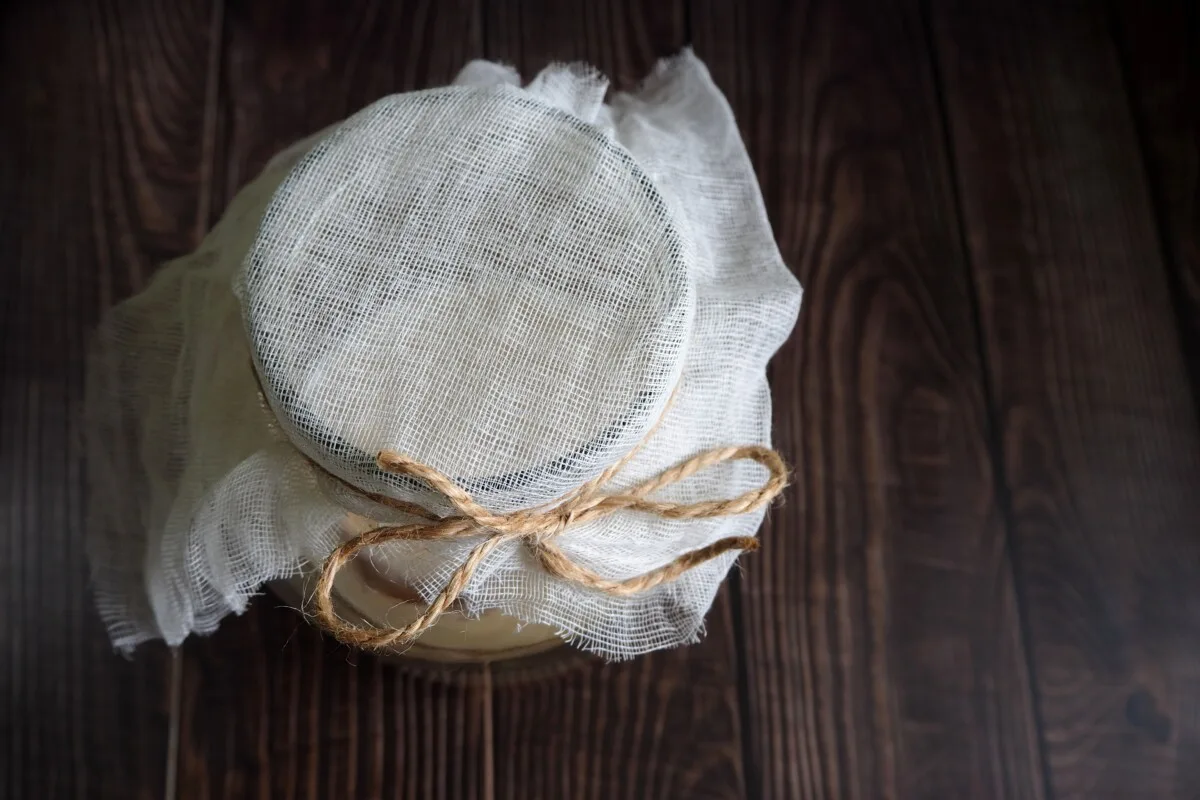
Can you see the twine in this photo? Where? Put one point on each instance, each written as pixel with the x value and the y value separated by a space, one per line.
pixel 537 528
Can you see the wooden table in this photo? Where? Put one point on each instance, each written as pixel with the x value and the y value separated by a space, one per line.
pixel 985 582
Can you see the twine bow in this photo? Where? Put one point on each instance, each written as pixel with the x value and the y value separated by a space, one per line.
pixel 537 528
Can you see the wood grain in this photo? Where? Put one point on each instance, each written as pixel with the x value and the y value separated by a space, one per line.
pixel 993 209
pixel 883 650
pixel 104 161
pixel 270 708
pixel 293 68
pixel 1101 450
pixel 663 726
pixel 1160 54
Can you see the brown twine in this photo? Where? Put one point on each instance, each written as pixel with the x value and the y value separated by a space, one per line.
pixel 536 528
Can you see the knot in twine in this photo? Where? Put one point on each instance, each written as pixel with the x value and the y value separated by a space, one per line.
pixel 536 528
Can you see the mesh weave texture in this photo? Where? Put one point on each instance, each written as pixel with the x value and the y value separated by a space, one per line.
pixel 511 284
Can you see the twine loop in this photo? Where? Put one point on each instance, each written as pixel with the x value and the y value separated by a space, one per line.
pixel 537 528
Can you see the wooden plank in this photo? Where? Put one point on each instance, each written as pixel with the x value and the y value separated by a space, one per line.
pixel 665 725
pixel 270 708
pixel 1101 445
pixel 104 168
pixel 882 642
pixel 293 69
pixel 1160 49
pixel 661 726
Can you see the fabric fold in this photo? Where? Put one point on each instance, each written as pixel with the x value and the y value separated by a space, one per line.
pixel 199 495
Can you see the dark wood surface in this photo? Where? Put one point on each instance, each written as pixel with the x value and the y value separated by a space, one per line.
pixel 105 169
pixel 1160 59
pixel 882 641
pixel 1100 449
pixel 986 579
pixel 1099 445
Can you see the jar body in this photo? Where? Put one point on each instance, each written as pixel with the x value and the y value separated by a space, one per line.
pixel 365 595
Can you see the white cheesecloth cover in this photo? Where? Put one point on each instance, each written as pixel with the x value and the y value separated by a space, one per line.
pixel 512 285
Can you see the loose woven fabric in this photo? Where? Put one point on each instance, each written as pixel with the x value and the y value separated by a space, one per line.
pixel 514 285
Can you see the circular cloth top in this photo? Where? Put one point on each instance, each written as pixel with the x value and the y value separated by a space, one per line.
pixel 475 279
